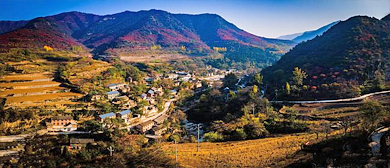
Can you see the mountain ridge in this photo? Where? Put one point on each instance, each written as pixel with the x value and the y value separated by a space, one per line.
pixel 307 35
pixel 128 32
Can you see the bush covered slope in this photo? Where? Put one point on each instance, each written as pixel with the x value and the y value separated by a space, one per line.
pixel 352 53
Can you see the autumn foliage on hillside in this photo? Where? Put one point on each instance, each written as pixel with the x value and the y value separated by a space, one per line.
pixel 137 32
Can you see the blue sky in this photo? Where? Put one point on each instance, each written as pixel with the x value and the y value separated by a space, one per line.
pixel 267 18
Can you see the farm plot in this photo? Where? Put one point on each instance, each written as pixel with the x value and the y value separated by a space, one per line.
pixel 27 77
pixel 40 98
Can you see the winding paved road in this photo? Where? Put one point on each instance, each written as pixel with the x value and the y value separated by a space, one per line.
pixel 375 138
pixel 166 108
pixel 335 100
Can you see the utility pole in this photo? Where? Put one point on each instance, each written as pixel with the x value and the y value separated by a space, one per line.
pixel 197 149
pixel 176 154
pixel 111 150
pixel 253 109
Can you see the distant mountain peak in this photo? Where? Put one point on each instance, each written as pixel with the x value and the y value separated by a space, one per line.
pixel 308 35
pixel 386 18
pixel 289 36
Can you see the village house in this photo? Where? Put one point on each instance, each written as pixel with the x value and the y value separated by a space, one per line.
pixel 123 87
pixel 96 97
pixel 62 123
pixel 122 98
pixel 152 101
pixel 176 83
pixel 78 143
pixel 160 119
pixel 143 96
pixel 106 116
pixel 125 115
pixel 149 79
pixel 150 110
pixel 172 76
pixel 158 91
pixel 146 126
pixel 113 86
pixel 150 93
pixel 159 130
pixel 184 76
pixel 173 92
pixel 134 117
pixel 196 84
pixel 111 95
pixel 128 104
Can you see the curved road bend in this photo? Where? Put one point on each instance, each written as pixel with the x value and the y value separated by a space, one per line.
pixel 166 108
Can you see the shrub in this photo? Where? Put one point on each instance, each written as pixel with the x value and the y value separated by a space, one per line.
pixel 255 130
pixel 239 134
pixel 213 137
pixel 174 138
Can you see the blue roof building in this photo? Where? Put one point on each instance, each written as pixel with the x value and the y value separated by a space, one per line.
pixel 124 112
pixel 105 116
pixel 125 115
pixel 111 85
pixel 113 93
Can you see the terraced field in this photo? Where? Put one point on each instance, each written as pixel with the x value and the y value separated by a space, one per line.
pixel 41 98
pixel 33 85
pixel 27 77
pixel 32 91
pixel 82 72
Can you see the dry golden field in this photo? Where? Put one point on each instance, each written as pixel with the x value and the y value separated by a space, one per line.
pixel 28 84
pixel 267 152
pixel 39 98
pixel 27 76
pixel 29 91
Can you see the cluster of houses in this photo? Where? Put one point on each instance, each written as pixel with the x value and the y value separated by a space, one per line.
pixel 154 127
pixel 116 95
pixel 215 71
pixel 115 88
pixel 127 116
pixel 177 77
